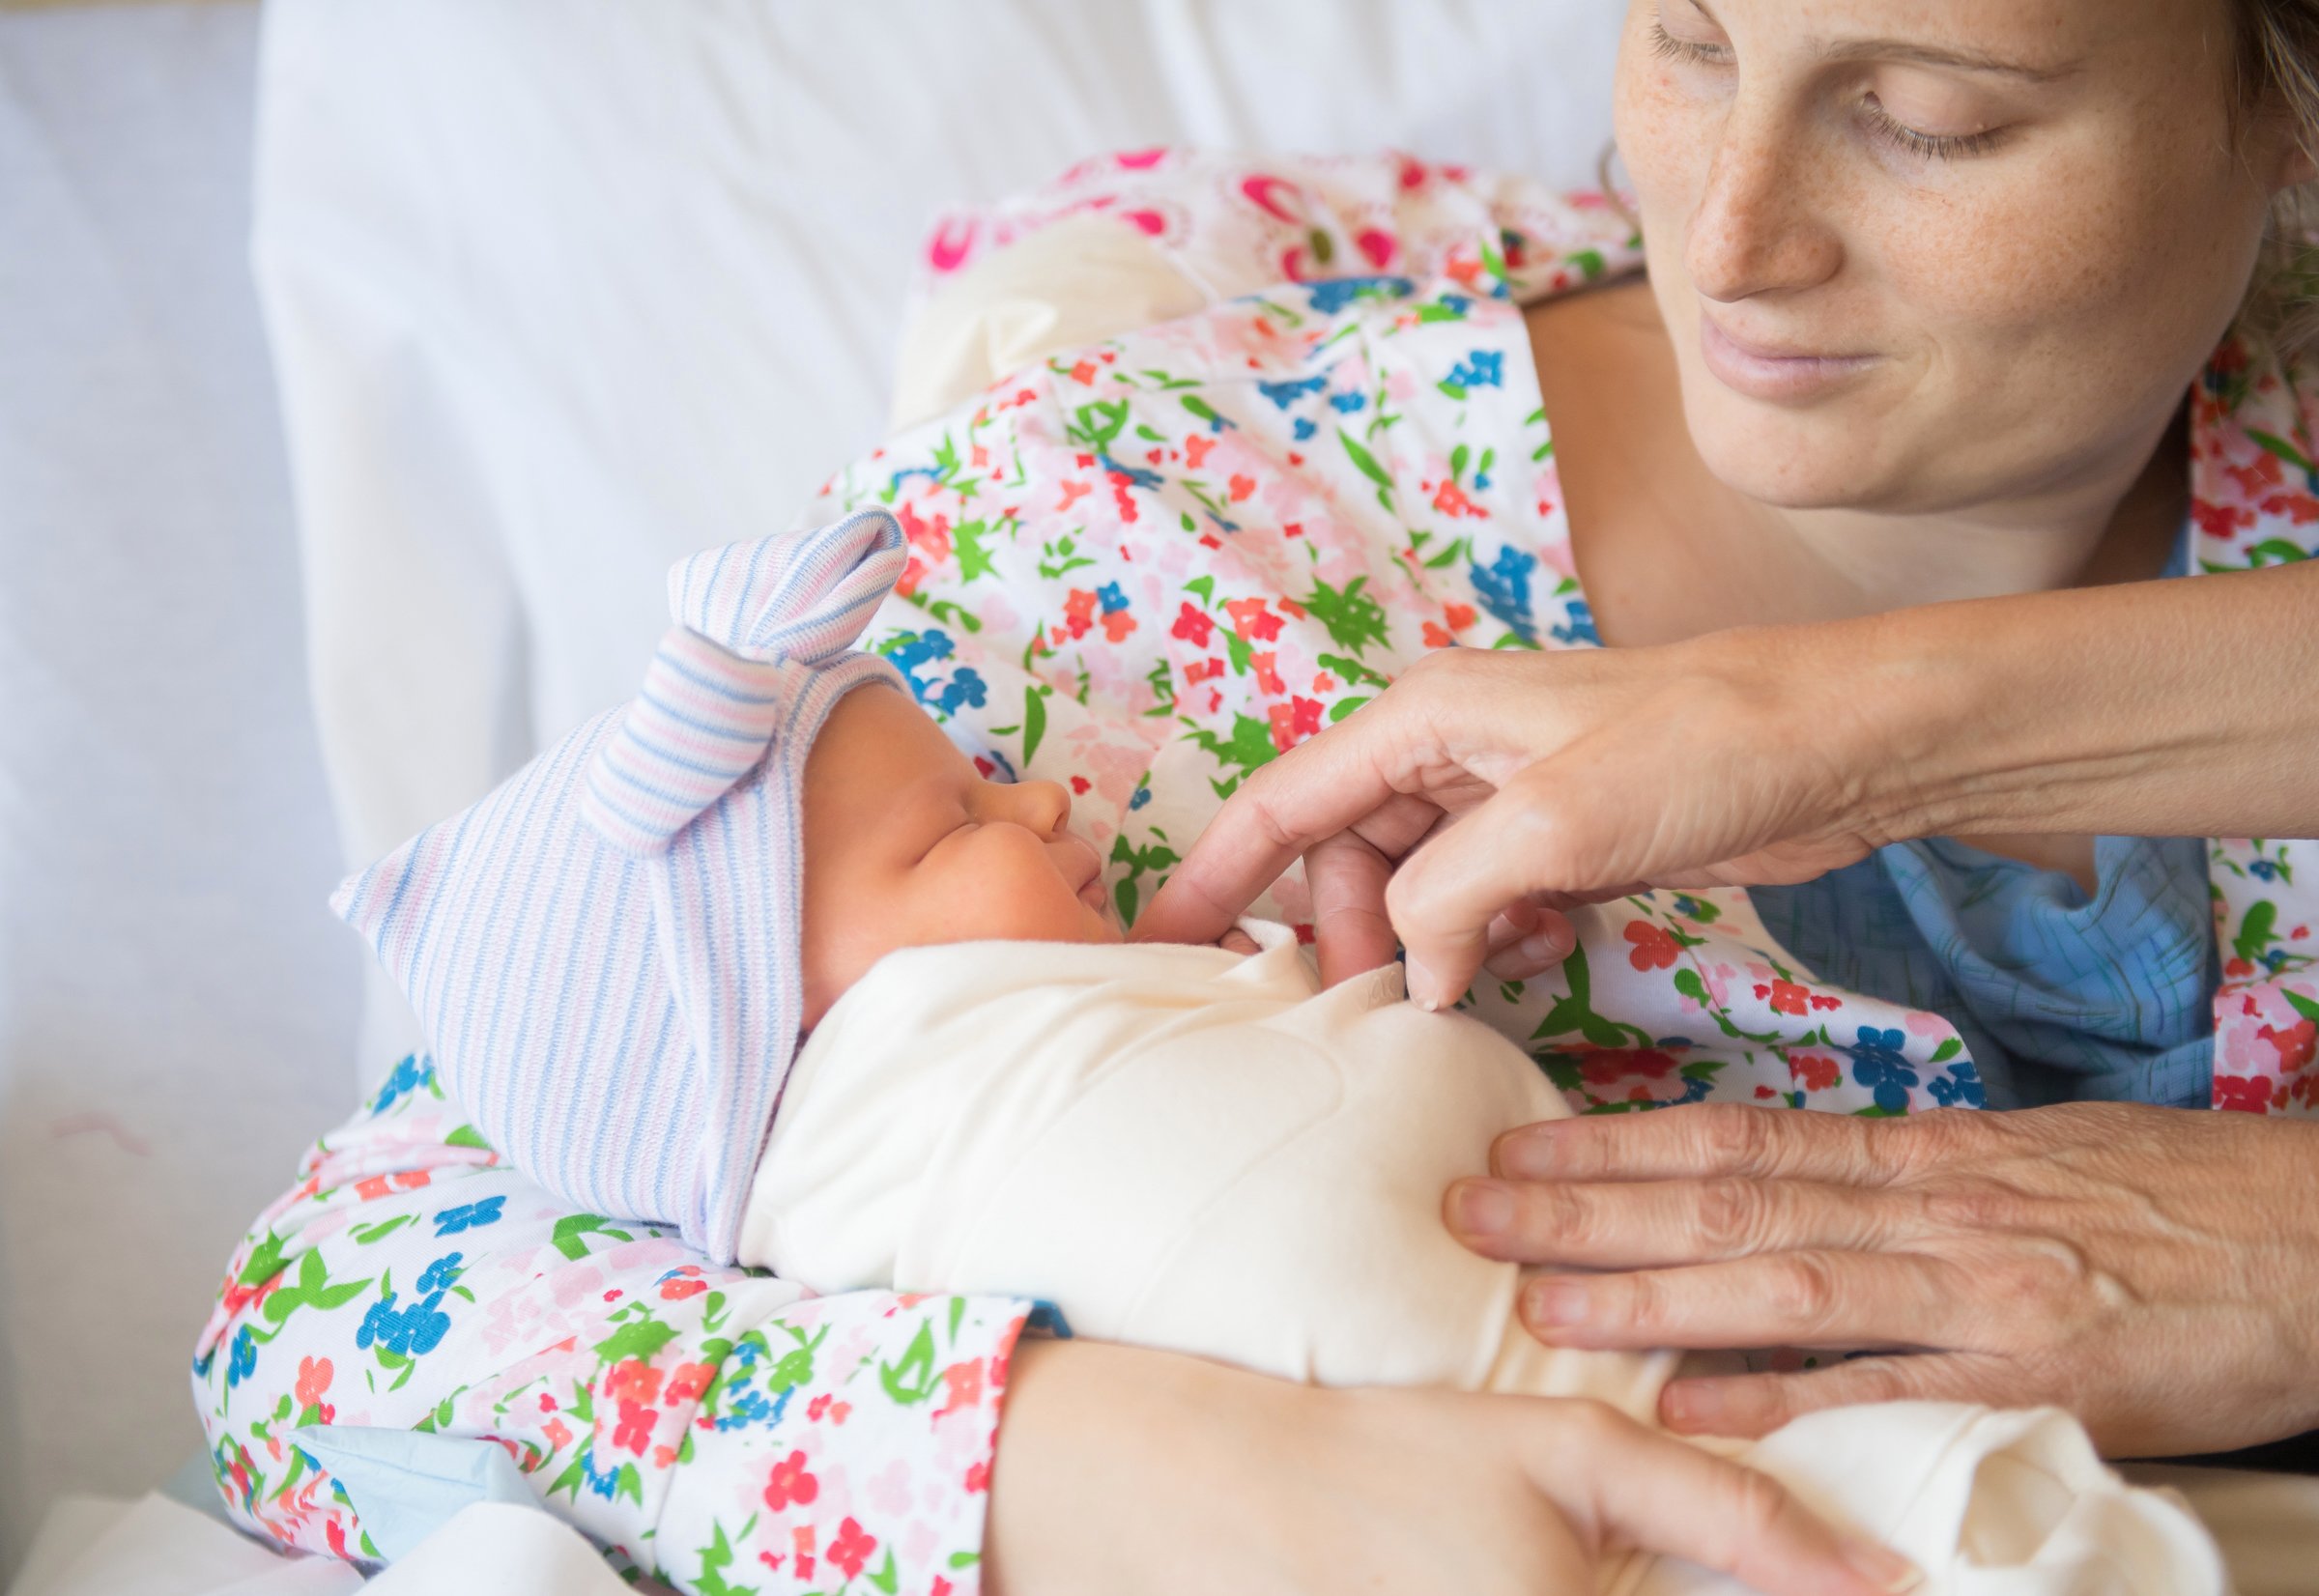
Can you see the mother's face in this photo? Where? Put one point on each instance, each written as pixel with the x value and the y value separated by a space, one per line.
pixel 1924 255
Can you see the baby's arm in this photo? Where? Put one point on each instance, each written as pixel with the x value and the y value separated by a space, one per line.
pixel 720 1429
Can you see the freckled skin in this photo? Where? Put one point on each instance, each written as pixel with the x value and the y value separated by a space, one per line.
pixel 2039 306
pixel 906 846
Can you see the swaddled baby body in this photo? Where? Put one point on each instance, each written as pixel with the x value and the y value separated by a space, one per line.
pixel 618 953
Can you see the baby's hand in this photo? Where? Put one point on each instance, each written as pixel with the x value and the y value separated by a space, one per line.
pixel 1238 941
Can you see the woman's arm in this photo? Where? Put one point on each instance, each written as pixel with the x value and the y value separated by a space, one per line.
pixel 1767 755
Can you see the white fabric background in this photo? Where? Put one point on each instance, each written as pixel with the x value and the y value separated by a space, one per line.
pixel 176 1003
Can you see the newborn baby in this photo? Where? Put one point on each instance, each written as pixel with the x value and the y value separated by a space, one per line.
pixel 765 957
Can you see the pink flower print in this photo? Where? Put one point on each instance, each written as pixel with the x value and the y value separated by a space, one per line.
pixel 634 1432
pixel 314 1377
pixel 1252 621
pixel 890 1488
pixel 1653 948
pixel 965 1384
pixel 1192 625
pixel 851 1549
pixel 791 1483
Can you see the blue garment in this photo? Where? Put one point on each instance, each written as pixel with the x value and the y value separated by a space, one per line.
pixel 2059 996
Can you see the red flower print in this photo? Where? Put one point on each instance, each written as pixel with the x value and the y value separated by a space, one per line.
pixel 851 1549
pixel 2296 1046
pixel 632 1380
pixel 1250 620
pixel 791 1483
pixel 688 1381
pixel 1654 948
pixel 2248 1093
pixel 1192 626
pixel 1814 1071
pixel 314 1374
pixel 634 1432
pixel 966 1383
pixel 1788 998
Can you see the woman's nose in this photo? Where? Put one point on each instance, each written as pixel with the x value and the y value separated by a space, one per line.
pixel 1755 230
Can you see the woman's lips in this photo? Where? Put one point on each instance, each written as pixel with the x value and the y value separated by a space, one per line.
pixel 1770 374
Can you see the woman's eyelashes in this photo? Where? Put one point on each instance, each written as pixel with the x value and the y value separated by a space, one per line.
pixel 1881 122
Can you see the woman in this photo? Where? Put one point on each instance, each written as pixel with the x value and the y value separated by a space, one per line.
pixel 725 1433
pixel 1893 386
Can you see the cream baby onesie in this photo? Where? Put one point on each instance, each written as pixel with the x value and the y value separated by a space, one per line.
pixel 1186 1148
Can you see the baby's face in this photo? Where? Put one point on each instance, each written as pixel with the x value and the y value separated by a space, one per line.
pixel 906 845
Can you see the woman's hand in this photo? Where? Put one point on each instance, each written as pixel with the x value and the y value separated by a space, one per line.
pixel 1572 778
pixel 1127 1471
pixel 1764 755
pixel 2154 1271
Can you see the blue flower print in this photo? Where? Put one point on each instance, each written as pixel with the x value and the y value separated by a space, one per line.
pixel 1878 1064
pixel 1483 368
pixel 1962 1084
pixel 1576 626
pixel 1504 588
pixel 469 1217
pixel 242 1358
pixel 1285 394
pixel 439 1275
pixel 412 1074
pixel 1330 298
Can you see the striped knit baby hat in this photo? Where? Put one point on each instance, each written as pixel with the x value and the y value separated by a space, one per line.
pixel 604 951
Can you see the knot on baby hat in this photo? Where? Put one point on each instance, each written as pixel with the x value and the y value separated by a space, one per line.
pixel 711 702
pixel 605 950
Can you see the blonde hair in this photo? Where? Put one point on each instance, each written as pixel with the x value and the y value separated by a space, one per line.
pixel 2277 74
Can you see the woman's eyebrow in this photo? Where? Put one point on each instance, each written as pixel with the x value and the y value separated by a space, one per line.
pixel 1935 55
pixel 1928 55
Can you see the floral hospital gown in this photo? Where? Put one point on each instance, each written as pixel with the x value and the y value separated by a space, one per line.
pixel 1143 569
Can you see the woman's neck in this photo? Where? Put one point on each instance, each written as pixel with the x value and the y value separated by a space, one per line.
pixel 1667 551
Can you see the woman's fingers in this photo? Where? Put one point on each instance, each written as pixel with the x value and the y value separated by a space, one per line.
pixel 1804 1298
pixel 1667 1497
pixel 1756 1404
pixel 1699 1140
pixel 1655 1224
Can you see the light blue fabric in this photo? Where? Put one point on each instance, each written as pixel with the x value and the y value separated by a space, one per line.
pixel 406 1484
pixel 2059 996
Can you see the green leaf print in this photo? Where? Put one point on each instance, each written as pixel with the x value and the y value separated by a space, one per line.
pixel 640 1339
pixel 2255 931
pixel 1353 619
pixel 1575 1012
pixel 1367 463
pixel 573 1226
pixel 715 1558
pixel 1034 721
pixel 912 1380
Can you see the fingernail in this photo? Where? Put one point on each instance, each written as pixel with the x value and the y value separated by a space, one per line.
pixel 1545 948
pixel 1483 1208
pixel 1881 1566
pixel 1688 1404
pixel 1557 1302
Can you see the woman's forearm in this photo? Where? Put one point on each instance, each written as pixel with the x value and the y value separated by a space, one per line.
pixel 2156 708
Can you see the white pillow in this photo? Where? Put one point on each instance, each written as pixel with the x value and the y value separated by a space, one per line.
pixel 560 292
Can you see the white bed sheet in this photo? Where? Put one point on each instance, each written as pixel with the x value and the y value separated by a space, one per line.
pixel 176 1003
pixel 557 296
